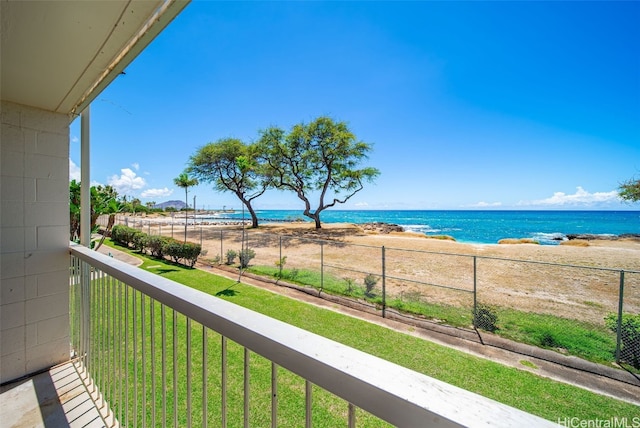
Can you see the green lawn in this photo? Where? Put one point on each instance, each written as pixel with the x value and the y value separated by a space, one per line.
pixel 549 399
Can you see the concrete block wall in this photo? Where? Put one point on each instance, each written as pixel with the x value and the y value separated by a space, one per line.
pixel 34 239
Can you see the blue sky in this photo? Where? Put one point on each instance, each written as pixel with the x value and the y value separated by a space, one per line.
pixel 468 105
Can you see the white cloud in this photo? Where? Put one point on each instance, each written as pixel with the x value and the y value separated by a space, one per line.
pixel 483 204
pixel 580 198
pixel 126 182
pixel 74 171
pixel 136 166
pixel 75 139
pixel 156 193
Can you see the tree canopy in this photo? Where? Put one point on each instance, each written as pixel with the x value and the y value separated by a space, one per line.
pixel 630 190
pixel 231 166
pixel 320 159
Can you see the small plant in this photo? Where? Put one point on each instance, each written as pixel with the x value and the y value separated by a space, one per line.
pixel 216 260
pixel 280 265
pixel 293 273
pixel 350 283
pixel 370 282
pixel 485 317
pixel 245 257
pixel 629 335
pixel 231 256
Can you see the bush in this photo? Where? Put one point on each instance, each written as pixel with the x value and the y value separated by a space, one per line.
pixel 173 249
pixel 155 245
pixel 485 317
pixel 123 235
pixel 139 240
pixel 231 256
pixel 370 282
pixel 630 336
pixel 190 253
pixel 245 257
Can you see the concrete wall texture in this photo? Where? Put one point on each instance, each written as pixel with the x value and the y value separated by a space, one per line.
pixel 34 239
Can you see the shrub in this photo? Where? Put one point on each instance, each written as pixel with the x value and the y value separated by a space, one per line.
pixel 190 253
pixel 123 235
pixel 370 282
pixel 485 317
pixel 231 256
pixel 173 249
pixel 139 240
pixel 155 245
pixel 630 336
pixel 245 257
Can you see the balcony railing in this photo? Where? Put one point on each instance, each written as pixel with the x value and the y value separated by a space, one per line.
pixel 159 353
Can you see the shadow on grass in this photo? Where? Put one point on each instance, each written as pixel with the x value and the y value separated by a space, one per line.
pixel 227 292
pixel 164 270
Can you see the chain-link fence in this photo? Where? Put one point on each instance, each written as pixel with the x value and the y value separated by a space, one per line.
pixel 583 310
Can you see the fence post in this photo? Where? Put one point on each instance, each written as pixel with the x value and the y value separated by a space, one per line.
pixel 475 289
pixel 321 265
pixel 384 284
pixel 620 309
pixel 172 228
pixel 280 260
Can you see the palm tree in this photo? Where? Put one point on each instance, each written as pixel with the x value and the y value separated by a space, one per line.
pixel 184 181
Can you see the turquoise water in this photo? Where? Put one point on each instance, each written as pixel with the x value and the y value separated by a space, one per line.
pixel 484 227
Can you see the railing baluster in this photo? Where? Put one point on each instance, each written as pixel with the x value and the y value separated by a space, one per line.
pixel 274 395
pixel 175 369
pixel 135 359
pixel 352 416
pixel 114 336
pixel 153 361
pixel 188 372
pixel 223 381
pixel 164 365
pixel 307 404
pixel 143 344
pixel 120 356
pixel 204 377
pixel 247 385
pixel 126 354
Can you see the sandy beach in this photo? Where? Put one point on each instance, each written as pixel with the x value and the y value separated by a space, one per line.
pixel 521 276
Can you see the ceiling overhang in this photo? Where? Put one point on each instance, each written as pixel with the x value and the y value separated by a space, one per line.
pixel 59 55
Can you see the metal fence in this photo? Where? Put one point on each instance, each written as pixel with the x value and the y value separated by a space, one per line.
pixel 460 289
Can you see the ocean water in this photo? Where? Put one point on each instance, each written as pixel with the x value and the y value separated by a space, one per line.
pixel 481 227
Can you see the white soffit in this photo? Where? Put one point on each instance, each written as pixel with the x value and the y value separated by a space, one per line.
pixel 58 55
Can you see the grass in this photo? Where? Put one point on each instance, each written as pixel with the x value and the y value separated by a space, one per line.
pixel 549 399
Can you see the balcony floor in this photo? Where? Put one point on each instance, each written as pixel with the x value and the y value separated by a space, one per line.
pixel 55 398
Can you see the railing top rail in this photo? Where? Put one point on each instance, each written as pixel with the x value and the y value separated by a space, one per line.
pixel 394 393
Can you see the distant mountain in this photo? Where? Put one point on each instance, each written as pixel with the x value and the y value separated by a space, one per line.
pixel 171 204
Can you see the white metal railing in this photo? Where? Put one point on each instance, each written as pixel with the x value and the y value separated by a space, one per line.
pixel 128 330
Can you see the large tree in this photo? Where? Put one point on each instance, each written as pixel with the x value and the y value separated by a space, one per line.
pixel 320 159
pixel 630 190
pixel 184 181
pixel 231 166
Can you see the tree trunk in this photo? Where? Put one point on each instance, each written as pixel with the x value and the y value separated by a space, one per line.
pixel 107 231
pixel 316 217
pixel 186 213
pixel 254 217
